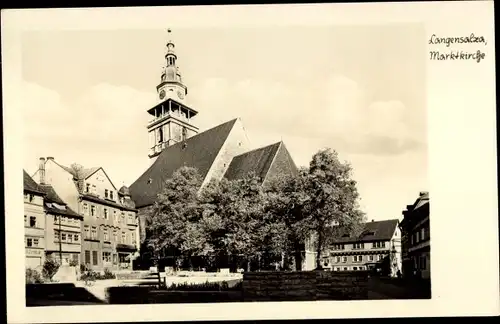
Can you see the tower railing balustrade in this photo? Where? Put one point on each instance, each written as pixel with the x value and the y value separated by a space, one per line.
pixel 177 114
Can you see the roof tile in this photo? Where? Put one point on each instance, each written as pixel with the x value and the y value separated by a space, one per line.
pixel 258 161
pixel 198 152
pixel 373 231
pixel 30 185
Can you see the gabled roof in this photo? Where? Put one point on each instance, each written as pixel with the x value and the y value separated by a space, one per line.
pixel 107 202
pixel 373 231
pixel 258 161
pixel 198 152
pixel 30 185
pixel 422 200
pixel 55 205
pixel 84 174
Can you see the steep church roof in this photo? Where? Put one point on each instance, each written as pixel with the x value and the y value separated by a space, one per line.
pixel 260 161
pixel 198 152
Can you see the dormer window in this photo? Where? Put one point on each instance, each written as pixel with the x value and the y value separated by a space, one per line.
pixel 105 193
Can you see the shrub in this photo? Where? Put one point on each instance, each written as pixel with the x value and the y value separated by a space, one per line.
pixel 33 276
pixel 89 275
pixel 50 268
pixel 207 286
pixel 73 263
pixel 108 274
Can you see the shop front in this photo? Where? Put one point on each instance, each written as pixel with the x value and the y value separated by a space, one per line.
pixel 126 253
pixel 34 258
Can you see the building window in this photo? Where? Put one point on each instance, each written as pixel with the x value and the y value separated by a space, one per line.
pixel 86 231
pixel 346 268
pixel 358 246
pixel 115 236
pixel 111 195
pixel 417 237
pixel 370 258
pixel 105 213
pixel 106 257
pixel 63 236
pixel 106 237
pixel 85 209
pixel 130 218
pixel 423 233
pixel 92 210
pixel 123 238
pixel 380 257
pixel 115 215
pixel 423 263
pixel 344 259
pixel 357 258
pixel 32 221
pixel 87 257
pixel 337 259
pixel 29 242
pixel 87 187
pixel 105 193
pixel 94 257
pixel 94 233
pixel 338 246
pixel 115 259
pixel 378 245
pixel 76 237
pixel 132 234
pixel 31 197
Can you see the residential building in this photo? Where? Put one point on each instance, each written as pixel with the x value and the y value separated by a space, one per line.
pixel 34 223
pixel 220 152
pixel 416 240
pixel 110 227
pixel 377 247
pixel 63 229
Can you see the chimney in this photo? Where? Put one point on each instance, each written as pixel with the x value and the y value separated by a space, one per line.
pixel 373 220
pixel 41 170
pixel 50 158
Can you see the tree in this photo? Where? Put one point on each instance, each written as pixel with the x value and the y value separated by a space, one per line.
pixel 286 201
pixel 332 207
pixel 232 214
pixel 173 221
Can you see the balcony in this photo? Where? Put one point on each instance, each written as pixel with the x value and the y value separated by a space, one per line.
pixel 172 114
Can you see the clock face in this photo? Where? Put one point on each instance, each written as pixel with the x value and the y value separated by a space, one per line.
pixel 180 94
pixel 162 94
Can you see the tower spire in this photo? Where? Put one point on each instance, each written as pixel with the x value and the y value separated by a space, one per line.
pixel 172 121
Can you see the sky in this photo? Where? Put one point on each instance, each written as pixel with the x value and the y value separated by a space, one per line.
pixel 360 90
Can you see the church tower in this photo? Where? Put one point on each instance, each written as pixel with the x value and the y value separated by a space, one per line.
pixel 171 122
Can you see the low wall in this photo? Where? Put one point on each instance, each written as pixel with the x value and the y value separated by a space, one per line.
pixel 57 291
pixel 305 285
pixel 145 295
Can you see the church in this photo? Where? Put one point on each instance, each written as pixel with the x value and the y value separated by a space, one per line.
pixel 174 141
